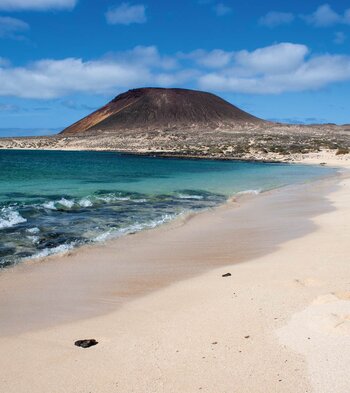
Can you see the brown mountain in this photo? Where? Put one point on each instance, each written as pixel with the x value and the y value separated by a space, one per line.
pixel 162 109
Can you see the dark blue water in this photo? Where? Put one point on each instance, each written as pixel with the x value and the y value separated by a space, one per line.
pixel 52 201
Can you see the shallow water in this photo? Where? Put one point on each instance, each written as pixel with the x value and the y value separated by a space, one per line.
pixel 51 201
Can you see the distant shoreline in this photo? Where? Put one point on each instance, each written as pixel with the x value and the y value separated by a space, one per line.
pixel 160 155
pixel 314 158
pixel 270 143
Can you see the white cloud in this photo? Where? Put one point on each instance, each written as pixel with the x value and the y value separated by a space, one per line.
pixel 144 56
pixel 325 16
pixel 37 5
pixel 222 9
pixel 12 27
pixel 281 57
pixel 177 78
pixel 279 68
pixel 274 18
pixel 216 58
pixel 273 70
pixel 57 78
pixel 126 14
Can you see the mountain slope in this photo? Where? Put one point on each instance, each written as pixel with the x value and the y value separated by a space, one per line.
pixel 162 109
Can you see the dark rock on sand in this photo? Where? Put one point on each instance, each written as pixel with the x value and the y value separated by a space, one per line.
pixel 86 343
pixel 227 275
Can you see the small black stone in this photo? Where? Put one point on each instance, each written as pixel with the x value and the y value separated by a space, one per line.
pixel 86 343
pixel 227 275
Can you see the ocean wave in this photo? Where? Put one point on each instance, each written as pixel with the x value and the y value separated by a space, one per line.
pixel 66 203
pixel 112 198
pixel 137 227
pixel 88 201
pixel 98 199
pixel 59 223
pixel 10 217
pixel 189 196
pixel 61 249
pixel 85 202
pixel 34 230
pixel 62 203
pixel 248 192
pixel 34 239
pixel 111 234
pixel 50 205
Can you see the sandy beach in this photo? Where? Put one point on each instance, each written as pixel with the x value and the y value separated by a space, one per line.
pixel 167 321
pixel 174 196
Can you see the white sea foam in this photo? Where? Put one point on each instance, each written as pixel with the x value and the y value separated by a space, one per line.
pixel 68 203
pixel 113 234
pixel 164 219
pixel 10 217
pixel 85 202
pixel 103 237
pixel 34 230
pixel 53 205
pixel 112 198
pixel 49 205
pixel 88 201
pixel 188 196
pixel 249 192
pixel 63 248
pixel 34 239
pixel 137 227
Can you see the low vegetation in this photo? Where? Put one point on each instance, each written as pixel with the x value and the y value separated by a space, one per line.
pixel 272 142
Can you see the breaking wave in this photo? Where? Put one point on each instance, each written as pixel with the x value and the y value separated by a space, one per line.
pixel 89 201
pixel 137 227
pixel 187 196
pixel 63 248
pixel 9 217
pixel 248 192
pixel 60 223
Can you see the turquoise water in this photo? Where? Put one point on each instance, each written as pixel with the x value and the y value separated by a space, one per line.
pixel 53 201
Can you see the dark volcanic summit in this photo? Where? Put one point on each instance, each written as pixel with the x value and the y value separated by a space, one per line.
pixel 162 109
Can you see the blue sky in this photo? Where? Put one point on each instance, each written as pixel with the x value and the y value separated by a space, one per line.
pixel 61 59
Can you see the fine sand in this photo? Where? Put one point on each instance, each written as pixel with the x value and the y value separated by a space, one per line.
pixel 167 321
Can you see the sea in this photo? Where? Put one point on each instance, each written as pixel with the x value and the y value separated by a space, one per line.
pixel 53 201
